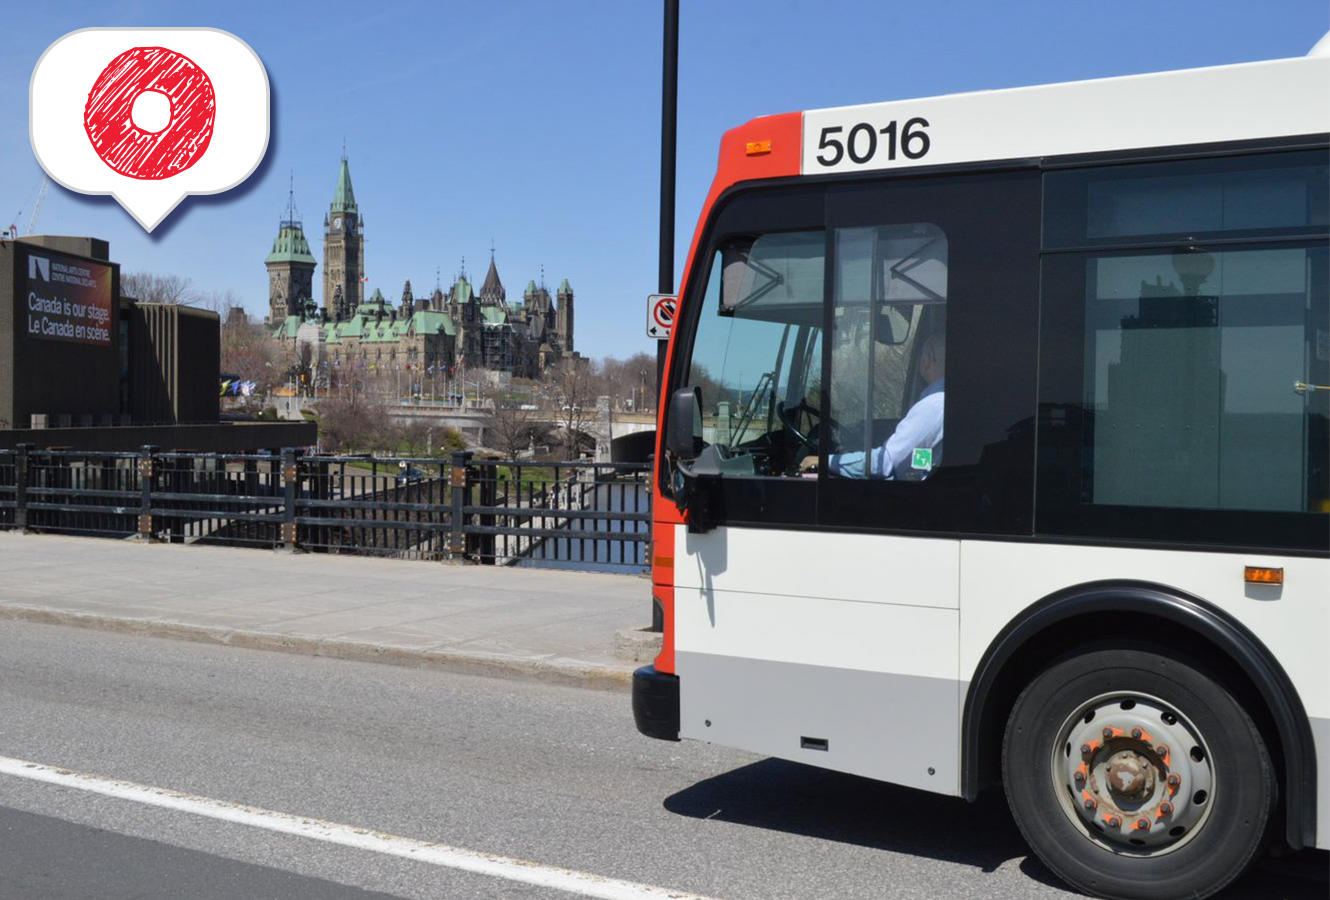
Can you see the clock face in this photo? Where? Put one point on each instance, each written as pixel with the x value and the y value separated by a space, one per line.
pixel 337 222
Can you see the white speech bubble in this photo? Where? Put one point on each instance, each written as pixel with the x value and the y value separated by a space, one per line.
pixel 210 75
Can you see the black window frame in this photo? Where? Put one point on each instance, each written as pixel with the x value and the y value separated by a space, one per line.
pixel 988 488
pixel 750 208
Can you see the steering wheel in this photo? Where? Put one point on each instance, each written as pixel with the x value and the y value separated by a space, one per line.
pixel 789 417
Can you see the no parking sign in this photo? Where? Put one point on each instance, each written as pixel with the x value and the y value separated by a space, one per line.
pixel 660 315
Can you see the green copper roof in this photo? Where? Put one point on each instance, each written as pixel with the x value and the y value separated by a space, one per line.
pixel 352 327
pixel 432 322
pixel 374 305
pixel 288 328
pixel 290 246
pixel 530 289
pixel 493 315
pixel 330 334
pixel 462 291
pixel 565 287
pixel 344 198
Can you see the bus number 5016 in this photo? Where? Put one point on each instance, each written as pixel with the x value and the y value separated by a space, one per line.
pixel 861 143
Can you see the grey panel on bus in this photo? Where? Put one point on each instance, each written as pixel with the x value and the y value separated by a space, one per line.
pixel 1321 739
pixel 881 725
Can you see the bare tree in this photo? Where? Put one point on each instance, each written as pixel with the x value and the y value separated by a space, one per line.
pixel 571 389
pixel 250 355
pixel 353 425
pixel 149 287
pixel 516 426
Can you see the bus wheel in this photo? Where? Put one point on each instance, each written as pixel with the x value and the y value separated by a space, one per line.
pixel 1134 775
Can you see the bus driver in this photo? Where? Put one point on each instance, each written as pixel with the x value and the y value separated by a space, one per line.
pixel 921 429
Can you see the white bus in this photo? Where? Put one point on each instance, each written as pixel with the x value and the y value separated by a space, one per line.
pixel 996 454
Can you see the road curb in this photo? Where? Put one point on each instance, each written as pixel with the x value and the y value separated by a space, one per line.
pixel 546 671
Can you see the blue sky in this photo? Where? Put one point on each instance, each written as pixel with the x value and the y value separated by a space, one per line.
pixel 536 124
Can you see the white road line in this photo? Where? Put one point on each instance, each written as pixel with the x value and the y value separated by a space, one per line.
pixel 583 884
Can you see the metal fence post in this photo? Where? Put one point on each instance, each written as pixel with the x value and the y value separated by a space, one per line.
pixel 457 477
pixel 21 470
pixel 290 492
pixel 147 479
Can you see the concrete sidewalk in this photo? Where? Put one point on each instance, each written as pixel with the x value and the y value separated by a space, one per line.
pixel 547 625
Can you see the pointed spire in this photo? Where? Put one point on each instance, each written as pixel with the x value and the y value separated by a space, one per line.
pixel 344 198
pixel 492 291
pixel 290 245
pixel 292 216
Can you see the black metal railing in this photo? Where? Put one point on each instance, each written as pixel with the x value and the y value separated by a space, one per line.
pixel 577 515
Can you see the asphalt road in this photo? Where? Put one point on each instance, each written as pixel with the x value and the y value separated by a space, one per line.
pixel 556 776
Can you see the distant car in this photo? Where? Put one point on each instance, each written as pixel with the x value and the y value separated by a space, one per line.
pixel 409 474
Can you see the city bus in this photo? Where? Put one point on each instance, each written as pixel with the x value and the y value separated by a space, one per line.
pixel 993 454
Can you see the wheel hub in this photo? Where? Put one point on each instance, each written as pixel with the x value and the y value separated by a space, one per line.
pixel 1134 774
pixel 1131 777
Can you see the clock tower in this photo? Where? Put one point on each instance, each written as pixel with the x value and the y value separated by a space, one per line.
pixel 343 250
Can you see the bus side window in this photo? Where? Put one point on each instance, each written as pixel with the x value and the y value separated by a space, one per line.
pixel 1183 344
pixel 888 357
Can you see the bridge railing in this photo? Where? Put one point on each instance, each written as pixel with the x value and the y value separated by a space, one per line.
pixel 574 515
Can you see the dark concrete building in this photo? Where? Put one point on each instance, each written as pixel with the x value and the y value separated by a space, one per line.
pixel 85 368
pixel 60 333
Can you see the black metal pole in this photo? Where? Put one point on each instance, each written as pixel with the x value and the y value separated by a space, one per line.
pixel 669 116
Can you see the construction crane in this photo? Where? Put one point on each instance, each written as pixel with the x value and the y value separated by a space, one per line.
pixel 36 209
pixel 37 204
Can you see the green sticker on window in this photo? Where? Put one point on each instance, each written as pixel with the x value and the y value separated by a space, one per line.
pixel 923 459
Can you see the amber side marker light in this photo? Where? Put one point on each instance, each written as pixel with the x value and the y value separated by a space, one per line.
pixel 1263 575
pixel 757 148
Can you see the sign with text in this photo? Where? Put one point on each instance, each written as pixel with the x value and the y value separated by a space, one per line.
pixel 660 315
pixel 67 299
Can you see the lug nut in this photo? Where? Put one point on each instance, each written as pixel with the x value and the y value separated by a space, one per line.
pixel 1086 750
pixel 1162 751
pixel 1091 804
pixel 1079 777
pixel 1136 733
pixel 1142 824
pixel 1114 822
pixel 1166 808
pixel 1174 779
pixel 1108 733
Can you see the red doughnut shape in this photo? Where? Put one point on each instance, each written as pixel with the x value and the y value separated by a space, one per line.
pixel 148 155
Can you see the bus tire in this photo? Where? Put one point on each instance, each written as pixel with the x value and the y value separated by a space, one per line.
pixel 1135 775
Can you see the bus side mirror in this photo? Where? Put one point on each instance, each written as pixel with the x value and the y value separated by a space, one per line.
pixel 683 434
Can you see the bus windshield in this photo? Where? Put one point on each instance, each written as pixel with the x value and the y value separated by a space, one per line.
pixel 757 356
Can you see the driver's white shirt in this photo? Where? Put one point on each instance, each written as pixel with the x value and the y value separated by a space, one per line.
pixel 920 429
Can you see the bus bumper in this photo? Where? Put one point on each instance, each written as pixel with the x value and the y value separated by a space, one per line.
pixel 656 703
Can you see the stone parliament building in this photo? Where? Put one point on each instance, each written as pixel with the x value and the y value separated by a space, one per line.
pixel 465 327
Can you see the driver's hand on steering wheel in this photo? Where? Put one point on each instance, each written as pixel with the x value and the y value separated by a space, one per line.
pixel 808 464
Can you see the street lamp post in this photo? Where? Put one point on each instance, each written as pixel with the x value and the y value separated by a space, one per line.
pixel 669 117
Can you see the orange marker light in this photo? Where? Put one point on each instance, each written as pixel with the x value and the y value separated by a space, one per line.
pixel 1263 575
pixel 757 148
